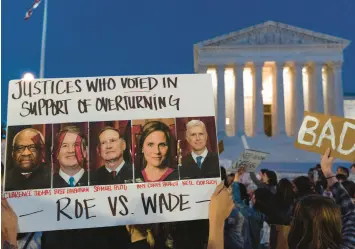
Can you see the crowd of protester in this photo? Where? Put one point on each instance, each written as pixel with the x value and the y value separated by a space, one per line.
pixel 315 212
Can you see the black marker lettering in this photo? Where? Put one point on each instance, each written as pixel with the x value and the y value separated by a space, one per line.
pixel 172 82
pixel 57 87
pixel 113 206
pixel 182 203
pixel 123 200
pixel 162 201
pixel 91 85
pixel 19 91
pixel 77 84
pixel 150 203
pixel 25 108
pixel 37 88
pixel 174 102
pixel 60 211
pixel 78 207
pixel 87 208
pixel 170 201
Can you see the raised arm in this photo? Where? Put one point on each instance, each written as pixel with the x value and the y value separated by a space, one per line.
pixel 343 199
pixel 221 206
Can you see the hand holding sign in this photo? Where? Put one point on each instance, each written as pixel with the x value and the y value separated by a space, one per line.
pixel 8 223
pixel 327 163
pixel 221 205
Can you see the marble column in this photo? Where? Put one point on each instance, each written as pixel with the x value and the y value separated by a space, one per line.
pixel 338 87
pixel 258 106
pixel 278 102
pixel 239 100
pixel 202 69
pixel 298 97
pixel 318 88
pixel 221 106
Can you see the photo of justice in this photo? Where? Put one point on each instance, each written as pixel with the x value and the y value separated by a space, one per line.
pixel 110 152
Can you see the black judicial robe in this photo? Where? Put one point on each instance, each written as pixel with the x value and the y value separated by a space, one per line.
pixel 209 168
pixel 103 177
pixel 39 179
pixel 173 176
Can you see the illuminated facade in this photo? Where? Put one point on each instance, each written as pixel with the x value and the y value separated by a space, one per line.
pixel 272 66
pixel 265 76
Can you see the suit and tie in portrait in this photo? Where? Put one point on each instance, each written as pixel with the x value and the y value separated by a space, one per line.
pixel 110 148
pixel 200 162
pixel 70 156
pixel 111 165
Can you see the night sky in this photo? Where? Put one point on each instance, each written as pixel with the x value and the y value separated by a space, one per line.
pixel 129 37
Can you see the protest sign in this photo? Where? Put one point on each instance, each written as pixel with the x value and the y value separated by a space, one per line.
pixel 250 160
pixel 319 132
pixel 109 151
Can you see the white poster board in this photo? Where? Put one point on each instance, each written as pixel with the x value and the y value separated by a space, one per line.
pixel 250 160
pixel 44 107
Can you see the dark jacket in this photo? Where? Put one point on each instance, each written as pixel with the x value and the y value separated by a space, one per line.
pixel 39 179
pixel 59 182
pixel 103 177
pixel 209 168
pixel 173 176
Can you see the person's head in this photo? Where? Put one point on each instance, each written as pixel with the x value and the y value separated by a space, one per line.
pixel 352 168
pixel 70 148
pixel 271 178
pixel 263 176
pixel 196 135
pixel 230 178
pixel 316 224
pixel 27 150
pixel 343 171
pixel 311 174
pixel 262 199
pixel 302 186
pixel 111 145
pixel 341 177
pixel 284 192
pixel 154 141
pixel 244 193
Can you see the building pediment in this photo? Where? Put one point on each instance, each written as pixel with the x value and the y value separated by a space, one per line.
pixel 273 33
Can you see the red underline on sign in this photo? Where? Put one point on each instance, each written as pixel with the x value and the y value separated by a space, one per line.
pixel 138 92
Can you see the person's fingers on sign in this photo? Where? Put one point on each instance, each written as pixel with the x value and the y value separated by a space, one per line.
pixel 8 223
pixel 241 170
pixel 327 163
pixel 221 204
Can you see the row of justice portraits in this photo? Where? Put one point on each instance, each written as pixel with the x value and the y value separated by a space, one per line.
pixel 110 152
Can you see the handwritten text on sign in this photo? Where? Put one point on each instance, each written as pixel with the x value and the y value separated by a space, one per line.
pixel 319 132
pixel 112 205
pixel 250 160
pixel 93 99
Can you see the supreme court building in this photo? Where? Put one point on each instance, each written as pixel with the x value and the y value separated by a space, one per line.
pixel 264 77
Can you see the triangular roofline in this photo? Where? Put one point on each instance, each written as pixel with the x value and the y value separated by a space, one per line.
pixel 334 39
